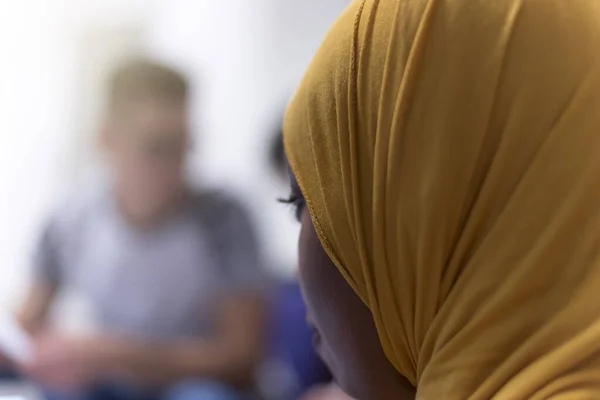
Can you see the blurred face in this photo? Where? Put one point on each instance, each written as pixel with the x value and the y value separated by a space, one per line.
pixel 147 143
pixel 345 334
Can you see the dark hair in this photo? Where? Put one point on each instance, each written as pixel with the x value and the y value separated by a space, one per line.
pixel 277 157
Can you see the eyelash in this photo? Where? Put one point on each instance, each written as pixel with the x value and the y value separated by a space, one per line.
pixel 296 202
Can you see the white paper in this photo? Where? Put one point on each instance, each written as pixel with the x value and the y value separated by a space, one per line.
pixel 15 342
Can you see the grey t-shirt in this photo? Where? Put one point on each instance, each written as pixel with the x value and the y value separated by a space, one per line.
pixel 163 282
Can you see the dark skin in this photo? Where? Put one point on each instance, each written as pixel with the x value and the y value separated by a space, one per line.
pixel 345 333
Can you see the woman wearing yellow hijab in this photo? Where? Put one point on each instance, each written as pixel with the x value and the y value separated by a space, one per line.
pixel 448 152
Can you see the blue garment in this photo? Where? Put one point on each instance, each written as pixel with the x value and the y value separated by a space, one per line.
pixel 189 390
pixel 291 340
pixel 186 390
pixel 195 390
pixel 108 392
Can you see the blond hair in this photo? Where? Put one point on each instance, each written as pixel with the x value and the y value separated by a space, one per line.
pixel 142 78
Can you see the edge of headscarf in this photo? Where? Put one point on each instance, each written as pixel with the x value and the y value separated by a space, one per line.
pixel 325 243
pixel 319 230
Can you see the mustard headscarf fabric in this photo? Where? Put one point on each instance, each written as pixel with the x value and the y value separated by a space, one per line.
pixel 449 153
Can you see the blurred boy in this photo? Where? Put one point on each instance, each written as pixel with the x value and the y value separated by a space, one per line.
pixel 173 274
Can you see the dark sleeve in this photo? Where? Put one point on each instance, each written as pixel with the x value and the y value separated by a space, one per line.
pixel 241 261
pixel 45 263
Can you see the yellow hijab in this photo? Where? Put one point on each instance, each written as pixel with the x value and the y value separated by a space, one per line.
pixel 449 153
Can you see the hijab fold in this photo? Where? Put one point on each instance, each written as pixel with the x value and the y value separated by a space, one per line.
pixel 449 153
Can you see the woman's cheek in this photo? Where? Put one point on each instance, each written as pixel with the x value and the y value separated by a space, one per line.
pixel 322 288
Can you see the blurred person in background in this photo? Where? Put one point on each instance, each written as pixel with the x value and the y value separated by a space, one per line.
pixel 173 274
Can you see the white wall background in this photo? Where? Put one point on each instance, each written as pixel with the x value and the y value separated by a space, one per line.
pixel 245 56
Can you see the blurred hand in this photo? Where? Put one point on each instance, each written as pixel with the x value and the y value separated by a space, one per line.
pixel 63 362
pixel 326 392
pixel 7 366
pixel 5 362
